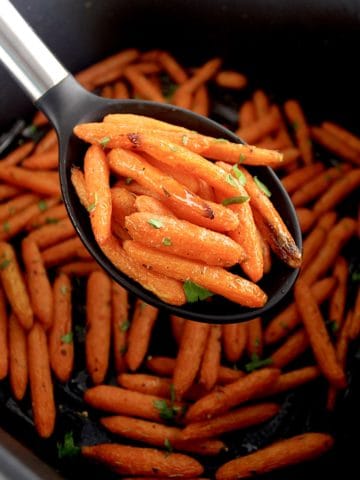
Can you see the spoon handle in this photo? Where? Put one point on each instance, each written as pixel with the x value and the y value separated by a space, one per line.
pixel 27 58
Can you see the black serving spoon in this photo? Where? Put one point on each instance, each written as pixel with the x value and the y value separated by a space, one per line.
pixel 56 93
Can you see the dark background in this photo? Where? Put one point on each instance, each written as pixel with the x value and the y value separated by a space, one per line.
pixel 290 48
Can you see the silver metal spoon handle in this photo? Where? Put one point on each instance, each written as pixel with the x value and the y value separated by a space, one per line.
pixel 25 55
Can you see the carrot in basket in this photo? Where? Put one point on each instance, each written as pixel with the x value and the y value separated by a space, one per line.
pixel 269 123
pixel 97 176
pixel 172 67
pixel 292 348
pixel 134 404
pixel 295 180
pixel 215 279
pixel 42 395
pixel 14 286
pixel 254 344
pixel 8 191
pixel 201 101
pixel 79 269
pixel 143 461
pixel 184 204
pixel 234 340
pixel 231 395
pixel 44 182
pixel 4 357
pixel 306 218
pixel 319 184
pixel 142 85
pixel 159 435
pixel 141 326
pixel 337 300
pixel 78 182
pixel 182 238
pixel 51 234
pixel 335 145
pixel 247 114
pixel 42 161
pixel 289 317
pixel 278 455
pixel 190 354
pixel 167 289
pixel 318 336
pixel 18 365
pixel 231 79
pixel 342 134
pixel 336 239
pixel 66 250
pixel 120 324
pixel 210 365
pixel 354 330
pixel 15 157
pixel 47 142
pixel 61 345
pixel 177 326
pixel 296 117
pixel 17 204
pixel 337 192
pixel 243 417
pixel 39 287
pixel 144 203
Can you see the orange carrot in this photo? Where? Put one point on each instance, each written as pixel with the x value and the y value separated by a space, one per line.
pixel 296 117
pixel 49 216
pixel 354 330
pixel 254 344
pixel 8 191
pixel 121 90
pixel 342 134
pixel 61 345
pixel 14 286
pixel 42 161
pixel 306 218
pixel 337 301
pixel 191 351
pixel 119 318
pixel 231 79
pixel 210 365
pixel 234 341
pixel 15 157
pixel 123 203
pixel 64 251
pixel 261 103
pixel 143 461
pixel 319 338
pixel 79 269
pixel 12 207
pixel 177 327
pixel 278 455
pixel 182 238
pixel 78 182
pixel 254 132
pixel 335 145
pixel 18 365
pixel 47 142
pixel 98 320
pixel 172 67
pixel 243 417
pixel 53 233
pixel 107 91
pixel 4 360
pixel 201 101
pixel 292 348
pixel 231 395
pixel 142 85
pixel 301 176
pixel 42 395
pixel 159 435
pixel 141 325
pixel 38 283
pixel 247 114
pixel 205 191
pixel 215 279
pixel 144 203
pixel 44 182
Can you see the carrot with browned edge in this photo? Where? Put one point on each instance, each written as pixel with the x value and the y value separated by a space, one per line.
pixel 98 321
pixel 4 357
pixel 61 345
pixel 278 455
pixel 42 395
pixel 337 301
pixel 18 364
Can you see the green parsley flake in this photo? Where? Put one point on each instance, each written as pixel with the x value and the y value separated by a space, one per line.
pixel 256 363
pixel 262 187
pixel 6 227
pixel 51 220
pixel 67 338
pixel 166 411
pixel 124 327
pixel 123 349
pixel 221 140
pixel 155 223
pixel 168 446
pixel 231 200
pixel 355 277
pixel 172 393
pixel 195 292
pixel 68 447
pixel 91 207
pixel 166 241
pixel 184 139
pixel 239 175
pixel 128 180
pixel 334 327
pixel 42 204
pixel 242 158
pixel 63 289
pixel 4 263
pixel 231 180
pixel 104 141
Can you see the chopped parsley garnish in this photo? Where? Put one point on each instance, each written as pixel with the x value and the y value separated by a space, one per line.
pixel 168 446
pixel 231 180
pixel 51 220
pixel 4 263
pixel 6 227
pixel 166 241
pixel 67 338
pixel 166 411
pixel 104 141
pixel 295 125
pixel 262 187
pixel 355 277
pixel 256 363
pixel 124 327
pixel 231 200
pixel 242 158
pixel 221 140
pixel 239 175
pixel 195 292
pixel 91 207
pixel 155 223
pixel 128 180
pixel 63 289
pixel 68 447
pixel 42 204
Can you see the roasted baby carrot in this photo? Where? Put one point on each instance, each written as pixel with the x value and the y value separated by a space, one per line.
pixel 18 364
pixel 44 182
pixel 78 182
pixel 141 326
pixel 335 145
pixel 40 290
pixel 53 233
pixel 234 340
pixel 337 301
pixel 159 435
pixel 79 269
pixel 292 348
pixel 4 357
pixel 47 142
pixel 306 218
pixel 295 180
pixel 190 354
pixel 278 455
pixel 120 324
pixel 201 101
pixel 247 114
pixel 143 461
pixel 98 321
pixel 177 326
pixel 342 134
pixel 143 85
pixel 231 395
pixel 12 207
pixel 144 203
pixel 64 251
pixel 265 125
pixel 42 161
pixel 51 215
pixel 182 238
pixel 296 117
pixel 15 157
pixel 210 365
pixel 14 286
pixel 254 344
pixel 42 395
pixel 318 336
pixel 61 345
pixel 9 191
pixel 231 79
pixel 215 279
pixel 172 67
pixel 123 203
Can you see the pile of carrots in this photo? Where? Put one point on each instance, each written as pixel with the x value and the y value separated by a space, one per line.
pixel 187 402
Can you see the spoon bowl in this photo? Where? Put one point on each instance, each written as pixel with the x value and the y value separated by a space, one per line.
pixel 67 104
